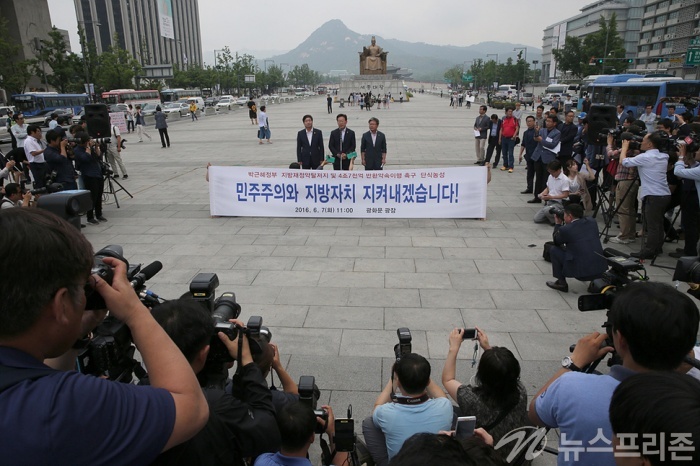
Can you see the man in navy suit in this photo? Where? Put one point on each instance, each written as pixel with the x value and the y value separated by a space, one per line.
pixel 309 145
pixel 577 252
pixel 548 138
pixel 341 143
pixel 373 147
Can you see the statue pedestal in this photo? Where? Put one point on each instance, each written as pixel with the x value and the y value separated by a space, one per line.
pixel 374 83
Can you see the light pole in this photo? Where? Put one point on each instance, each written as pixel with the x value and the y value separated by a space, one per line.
pixel 284 76
pixel 534 63
pixel 464 67
pixel 492 55
pixel 521 49
pixel 218 69
pixel 84 47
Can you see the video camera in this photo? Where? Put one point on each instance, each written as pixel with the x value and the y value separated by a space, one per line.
pixel 403 347
pixel 633 133
pixel 688 270
pixel 309 395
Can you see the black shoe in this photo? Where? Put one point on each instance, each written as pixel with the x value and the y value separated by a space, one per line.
pixel 477 163
pixel 563 287
pixel 527 191
pixel 126 176
pixel 101 219
pixel 115 176
pixel 676 255
pixel 93 221
pixel 535 201
pixel 680 250
pixel 642 255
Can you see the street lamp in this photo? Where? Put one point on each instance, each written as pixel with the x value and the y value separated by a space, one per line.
pixel 493 55
pixel 265 63
pixel 84 47
pixel 218 69
pixel 534 63
pixel 521 49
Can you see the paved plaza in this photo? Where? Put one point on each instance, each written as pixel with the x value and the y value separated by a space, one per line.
pixel 334 291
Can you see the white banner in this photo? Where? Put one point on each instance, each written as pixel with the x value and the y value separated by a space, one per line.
pixel 456 192
pixel 165 15
pixel 119 120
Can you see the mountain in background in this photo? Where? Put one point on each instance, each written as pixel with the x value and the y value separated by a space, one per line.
pixel 335 47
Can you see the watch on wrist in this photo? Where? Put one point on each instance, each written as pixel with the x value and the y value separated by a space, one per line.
pixel 567 363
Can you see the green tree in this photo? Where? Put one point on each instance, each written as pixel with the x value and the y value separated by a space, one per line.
pixel 63 69
pixel 117 68
pixel 303 76
pixel 14 74
pixel 275 77
pixel 572 58
pixel 89 59
pixel 454 76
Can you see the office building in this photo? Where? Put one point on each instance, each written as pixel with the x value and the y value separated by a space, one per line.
pixel 668 26
pixel 139 29
pixel 629 24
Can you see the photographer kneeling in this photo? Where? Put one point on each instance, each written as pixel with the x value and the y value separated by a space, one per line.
pixel 557 190
pixel 56 417
pixel 499 400
pixel 409 404
pixel 577 251
pixel 237 428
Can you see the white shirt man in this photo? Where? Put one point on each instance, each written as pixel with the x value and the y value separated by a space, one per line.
pixel 19 130
pixel 649 119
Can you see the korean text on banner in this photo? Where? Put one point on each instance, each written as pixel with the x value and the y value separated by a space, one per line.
pixel 457 192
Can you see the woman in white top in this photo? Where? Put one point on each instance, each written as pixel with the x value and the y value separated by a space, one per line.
pixel 578 190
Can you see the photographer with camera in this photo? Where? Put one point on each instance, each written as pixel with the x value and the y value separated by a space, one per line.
pixel 269 360
pixel 114 150
pixel 499 400
pixel 34 149
pixel 237 428
pixel 652 165
pixel 688 168
pixel 410 403
pixel 87 159
pixel 297 426
pixel 652 327
pixel 56 417
pixel 56 156
pixel 577 251
pixel 626 188
pixel 14 197
pixel 557 190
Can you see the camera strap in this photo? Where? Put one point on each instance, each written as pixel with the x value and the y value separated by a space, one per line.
pixel 10 376
pixel 326 456
pixel 403 400
pixel 239 358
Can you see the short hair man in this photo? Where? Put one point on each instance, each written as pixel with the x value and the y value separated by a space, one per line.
pixel 621 115
pixel 655 193
pixel 373 147
pixel 410 403
pixel 309 145
pixel 577 251
pixel 653 328
pixel 556 191
pixel 568 131
pixel 56 157
pixel 660 408
pixel 649 118
pixel 482 125
pixel 34 151
pixel 297 423
pixel 548 144
pixel 88 419
pixel 528 146
pixel 114 152
pixel 688 168
pixel 14 197
pixel 510 127
pixel 341 143
pixel 236 429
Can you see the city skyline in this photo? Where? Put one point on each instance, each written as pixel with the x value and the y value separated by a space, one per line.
pixel 450 24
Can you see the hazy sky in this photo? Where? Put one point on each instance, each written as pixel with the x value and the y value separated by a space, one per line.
pixel 280 25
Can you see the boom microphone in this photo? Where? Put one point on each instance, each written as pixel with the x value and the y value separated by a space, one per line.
pixel 146 274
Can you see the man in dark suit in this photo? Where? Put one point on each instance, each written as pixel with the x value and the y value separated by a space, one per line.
pixel 548 139
pixel 577 252
pixel 373 147
pixel 309 145
pixel 341 143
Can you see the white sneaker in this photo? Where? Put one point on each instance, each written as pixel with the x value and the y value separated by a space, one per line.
pixel 618 240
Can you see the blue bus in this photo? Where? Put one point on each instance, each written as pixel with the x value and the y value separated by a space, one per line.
pixel 601 79
pixel 39 104
pixel 636 93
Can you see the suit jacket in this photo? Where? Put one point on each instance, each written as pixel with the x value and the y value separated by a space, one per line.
pixel 493 138
pixel 583 256
pixel 373 152
pixel 483 123
pixel 336 147
pixel 310 155
pixel 541 152
pixel 568 135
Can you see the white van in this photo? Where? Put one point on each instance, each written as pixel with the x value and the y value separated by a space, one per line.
pixel 198 101
pixel 506 90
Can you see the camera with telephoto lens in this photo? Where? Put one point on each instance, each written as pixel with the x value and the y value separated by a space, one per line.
pixel 688 270
pixel 557 211
pixel 309 395
pixel 403 347
pixel 48 189
pixel 691 142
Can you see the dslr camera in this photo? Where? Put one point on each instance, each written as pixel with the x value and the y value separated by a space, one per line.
pixel 309 394
pixel 403 347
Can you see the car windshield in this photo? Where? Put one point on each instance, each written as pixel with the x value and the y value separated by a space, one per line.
pixel 172 105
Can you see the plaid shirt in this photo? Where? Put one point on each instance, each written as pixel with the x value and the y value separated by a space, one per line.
pixel 623 173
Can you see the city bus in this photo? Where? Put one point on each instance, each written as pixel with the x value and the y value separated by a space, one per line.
pixel 173 95
pixel 39 104
pixel 131 96
pixel 603 79
pixel 636 93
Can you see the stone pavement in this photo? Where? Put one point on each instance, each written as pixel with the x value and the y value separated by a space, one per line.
pixel 334 291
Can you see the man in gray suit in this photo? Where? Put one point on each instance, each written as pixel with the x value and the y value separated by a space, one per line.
pixel 373 147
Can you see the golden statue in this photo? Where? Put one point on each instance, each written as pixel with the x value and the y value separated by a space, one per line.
pixel 373 59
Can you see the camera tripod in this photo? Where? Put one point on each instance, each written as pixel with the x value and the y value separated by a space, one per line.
pixel 109 179
pixel 613 206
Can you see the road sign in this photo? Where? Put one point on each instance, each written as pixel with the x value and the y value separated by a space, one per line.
pixel 694 42
pixel 692 57
pixel 467 77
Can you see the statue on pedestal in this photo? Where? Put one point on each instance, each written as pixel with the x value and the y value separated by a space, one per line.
pixel 373 59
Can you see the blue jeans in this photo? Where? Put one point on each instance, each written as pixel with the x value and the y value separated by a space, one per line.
pixel 507 149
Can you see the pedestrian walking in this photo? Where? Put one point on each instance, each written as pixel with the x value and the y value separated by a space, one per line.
pixel 252 111
pixel 263 125
pixel 193 111
pixel 162 127
pixel 141 124
pixel 130 119
pixel 329 100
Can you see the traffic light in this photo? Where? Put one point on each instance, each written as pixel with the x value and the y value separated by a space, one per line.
pixel 601 61
pixel 659 60
pixel 630 60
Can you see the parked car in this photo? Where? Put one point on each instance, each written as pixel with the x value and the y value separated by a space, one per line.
pixel 114 108
pixel 148 109
pixel 76 117
pixel 225 102
pixel 527 98
pixel 65 116
pixel 176 107
pixel 241 101
pixel 211 101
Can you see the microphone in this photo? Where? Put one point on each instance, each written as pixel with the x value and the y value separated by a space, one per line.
pixel 146 274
